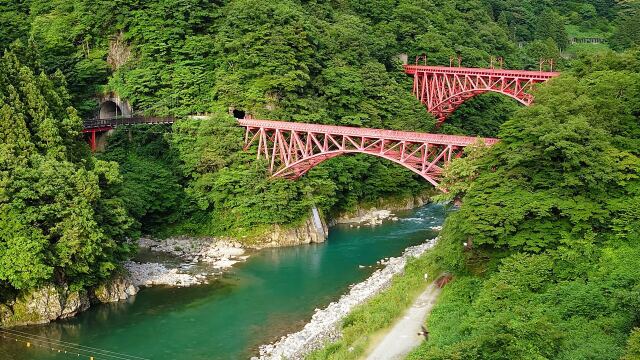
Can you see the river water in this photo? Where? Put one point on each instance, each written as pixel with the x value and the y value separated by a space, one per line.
pixel 273 293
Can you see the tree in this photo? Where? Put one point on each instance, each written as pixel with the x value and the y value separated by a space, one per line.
pixel 59 222
pixel 627 30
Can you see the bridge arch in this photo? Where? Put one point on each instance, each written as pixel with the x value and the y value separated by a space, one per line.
pixel 449 105
pixel 302 166
pixel 443 89
pixel 292 149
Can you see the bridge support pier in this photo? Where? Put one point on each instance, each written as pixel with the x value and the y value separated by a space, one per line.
pixel 92 141
pixel 94 134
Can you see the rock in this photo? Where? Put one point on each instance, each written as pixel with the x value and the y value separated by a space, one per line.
pixel 119 288
pixel 5 314
pixel 306 233
pixel 224 263
pixel 148 274
pixel 75 302
pixel 218 253
pixel 372 216
pixel 43 305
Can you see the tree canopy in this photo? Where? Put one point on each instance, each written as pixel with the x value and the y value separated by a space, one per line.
pixel 59 216
pixel 551 225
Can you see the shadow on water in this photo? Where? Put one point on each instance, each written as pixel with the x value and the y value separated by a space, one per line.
pixel 273 293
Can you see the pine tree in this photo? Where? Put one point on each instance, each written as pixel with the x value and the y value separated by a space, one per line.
pixel 59 218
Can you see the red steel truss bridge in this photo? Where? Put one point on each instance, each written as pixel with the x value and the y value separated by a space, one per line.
pixel 292 149
pixel 443 89
pixel 97 126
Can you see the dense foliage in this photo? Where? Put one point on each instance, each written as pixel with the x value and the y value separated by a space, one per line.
pixel 59 218
pixel 550 215
pixel 305 60
pixel 551 222
pixel 151 186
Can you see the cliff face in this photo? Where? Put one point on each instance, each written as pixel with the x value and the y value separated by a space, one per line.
pixel 313 230
pixel 51 302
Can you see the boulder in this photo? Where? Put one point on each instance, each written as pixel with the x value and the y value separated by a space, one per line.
pixel 42 305
pixel 118 288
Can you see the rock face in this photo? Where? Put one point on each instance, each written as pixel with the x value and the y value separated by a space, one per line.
pixel 43 305
pixel 120 288
pixel 324 326
pixel 51 302
pixel 311 231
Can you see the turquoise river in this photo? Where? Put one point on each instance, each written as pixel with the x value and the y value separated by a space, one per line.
pixel 271 294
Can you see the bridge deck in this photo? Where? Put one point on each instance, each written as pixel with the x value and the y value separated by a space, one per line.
pixel 537 75
pixel 454 140
pixel 93 124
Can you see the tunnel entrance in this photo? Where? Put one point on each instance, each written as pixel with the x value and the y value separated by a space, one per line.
pixel 109 109
pixel 238 114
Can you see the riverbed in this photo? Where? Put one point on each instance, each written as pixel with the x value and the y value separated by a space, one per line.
pixel 271 294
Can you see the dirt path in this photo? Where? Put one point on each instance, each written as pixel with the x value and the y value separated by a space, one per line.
pixel 403 337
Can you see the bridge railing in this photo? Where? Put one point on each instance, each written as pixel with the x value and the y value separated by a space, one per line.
pixel 395 135
pixel 533 74
pixel 123 121
pixel 587 40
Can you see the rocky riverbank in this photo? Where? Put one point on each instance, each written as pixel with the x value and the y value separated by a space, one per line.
pixel 198 259
pixel 371 217
pixel 54 302
pixel 214 254
pixel 324 325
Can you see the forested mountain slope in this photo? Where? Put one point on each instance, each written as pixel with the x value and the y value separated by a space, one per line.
pixel 332 62
pixel 546 244
pixel 60 215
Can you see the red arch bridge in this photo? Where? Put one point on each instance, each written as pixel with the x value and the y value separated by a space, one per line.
pixel 292 149
pixel 443 89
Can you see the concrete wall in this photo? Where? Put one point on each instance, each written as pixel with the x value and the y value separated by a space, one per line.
pixel 111 105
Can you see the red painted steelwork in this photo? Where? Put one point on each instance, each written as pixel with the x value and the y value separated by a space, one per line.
pixel 96 126
pixel 92 135
pixel 292 149
pixel 443 89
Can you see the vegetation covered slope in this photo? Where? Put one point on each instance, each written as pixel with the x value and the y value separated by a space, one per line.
pixel 59 215
pixel 546 245
pixel 67 213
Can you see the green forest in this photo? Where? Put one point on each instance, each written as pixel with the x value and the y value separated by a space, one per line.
pixel 546 244
pixel 543 248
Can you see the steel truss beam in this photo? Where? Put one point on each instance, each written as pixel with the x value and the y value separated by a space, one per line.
pixel 444 89
pixel 292 149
